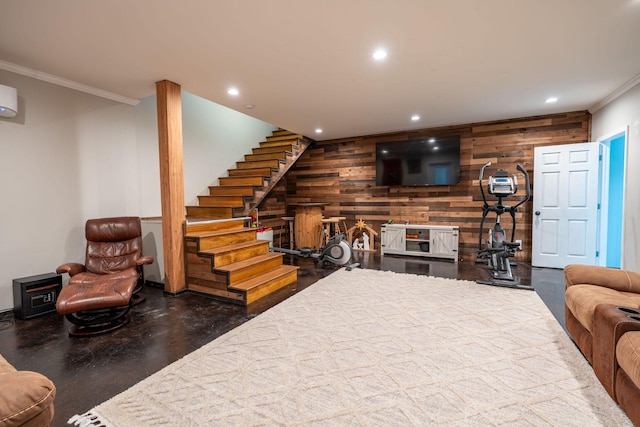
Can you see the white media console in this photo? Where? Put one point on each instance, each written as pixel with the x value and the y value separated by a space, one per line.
pixel 438 241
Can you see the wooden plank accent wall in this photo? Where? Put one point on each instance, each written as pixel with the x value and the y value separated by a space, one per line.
pixel 342 173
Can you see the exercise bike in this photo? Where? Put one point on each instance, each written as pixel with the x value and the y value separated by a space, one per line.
pixel 498 249
pixel 337 251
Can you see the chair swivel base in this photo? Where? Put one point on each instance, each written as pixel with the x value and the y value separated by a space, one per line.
pixel 138 298
pixel 99 321
pixel 100 328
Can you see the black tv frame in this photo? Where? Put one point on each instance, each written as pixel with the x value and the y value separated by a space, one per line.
pixel 418 162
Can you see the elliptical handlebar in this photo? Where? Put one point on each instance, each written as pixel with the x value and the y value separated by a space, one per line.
pixel 527 184
pixel 481 178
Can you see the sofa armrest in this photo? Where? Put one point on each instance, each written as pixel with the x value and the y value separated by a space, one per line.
pixel 609 324
pixel 72 268
pixel 26 398
pixel 620 280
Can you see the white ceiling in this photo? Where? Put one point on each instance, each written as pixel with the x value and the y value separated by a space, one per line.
pixel 305 64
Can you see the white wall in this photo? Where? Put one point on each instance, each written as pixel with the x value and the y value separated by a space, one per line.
pixel 66 157
pixel 624 113
pixel 69 156
pixel 215 138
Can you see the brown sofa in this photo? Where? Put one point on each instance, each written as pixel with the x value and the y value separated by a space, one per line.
pixel 26 398
pixel 602 311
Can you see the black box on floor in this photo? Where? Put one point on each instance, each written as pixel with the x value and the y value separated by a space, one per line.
pixel 36 295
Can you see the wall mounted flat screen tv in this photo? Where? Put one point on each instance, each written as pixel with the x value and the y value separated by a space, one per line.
pixel 424 161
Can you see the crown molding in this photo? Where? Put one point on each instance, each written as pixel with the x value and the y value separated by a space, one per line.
pixel 50 78
pixel 615 94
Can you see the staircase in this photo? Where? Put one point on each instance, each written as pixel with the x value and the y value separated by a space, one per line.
pixel 249 183
pixel 223 258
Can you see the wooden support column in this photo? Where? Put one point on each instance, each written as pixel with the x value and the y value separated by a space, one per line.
pixel 171 183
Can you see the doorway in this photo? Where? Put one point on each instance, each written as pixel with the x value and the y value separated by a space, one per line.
pixel 579 203
pixel 565 203
pixel 612 190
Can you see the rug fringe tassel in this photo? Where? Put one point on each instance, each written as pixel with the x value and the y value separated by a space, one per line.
pixel 88 419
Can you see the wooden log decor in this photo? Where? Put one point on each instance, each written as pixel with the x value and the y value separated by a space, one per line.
pixel 308 225
pixel 342 174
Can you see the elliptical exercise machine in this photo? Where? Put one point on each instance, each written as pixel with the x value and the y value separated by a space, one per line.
pixel 337 251
pixel 498 250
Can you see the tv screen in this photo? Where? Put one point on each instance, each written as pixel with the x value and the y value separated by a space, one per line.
pixel 424 161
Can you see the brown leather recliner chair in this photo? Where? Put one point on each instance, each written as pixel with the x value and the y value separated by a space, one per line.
pixel 101 291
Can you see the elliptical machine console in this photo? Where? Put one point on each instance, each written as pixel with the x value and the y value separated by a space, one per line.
pixel 502 185
pixel 498 249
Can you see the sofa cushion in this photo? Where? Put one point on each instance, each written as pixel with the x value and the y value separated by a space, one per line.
pixel 26 399
pixel 628 355
pixel 620 280
pixel 583 299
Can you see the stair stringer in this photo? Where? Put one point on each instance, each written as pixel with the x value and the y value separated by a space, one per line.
pixel 293 146
pixel 259 194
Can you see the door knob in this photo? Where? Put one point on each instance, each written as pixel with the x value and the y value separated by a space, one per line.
pixel 537 212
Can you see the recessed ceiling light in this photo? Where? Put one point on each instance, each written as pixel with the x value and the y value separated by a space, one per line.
pixel 318 130
pixel 233 91
pixel 415 118
pixel 551 100
pixel 379 54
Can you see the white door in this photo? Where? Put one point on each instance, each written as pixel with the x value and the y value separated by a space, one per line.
pixel 565 205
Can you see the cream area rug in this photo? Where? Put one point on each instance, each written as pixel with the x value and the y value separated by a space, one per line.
pixel 372 348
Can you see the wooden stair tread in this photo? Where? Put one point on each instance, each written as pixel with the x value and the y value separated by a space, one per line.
pixel 218 200
pixel 225 205
pixel 230 268
pixel 256 168
pixel 253 164
pixel 217 233
pixel 252 176
pixel 210 212
pixel 256 281
pixel 219 205
pixel 209 226
pixel 242 180
pixel 275 149
pixel 276 155
pixel 284 137
pixel 260 171
pixel 231 190
pixel 235 246
pixel 281 131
